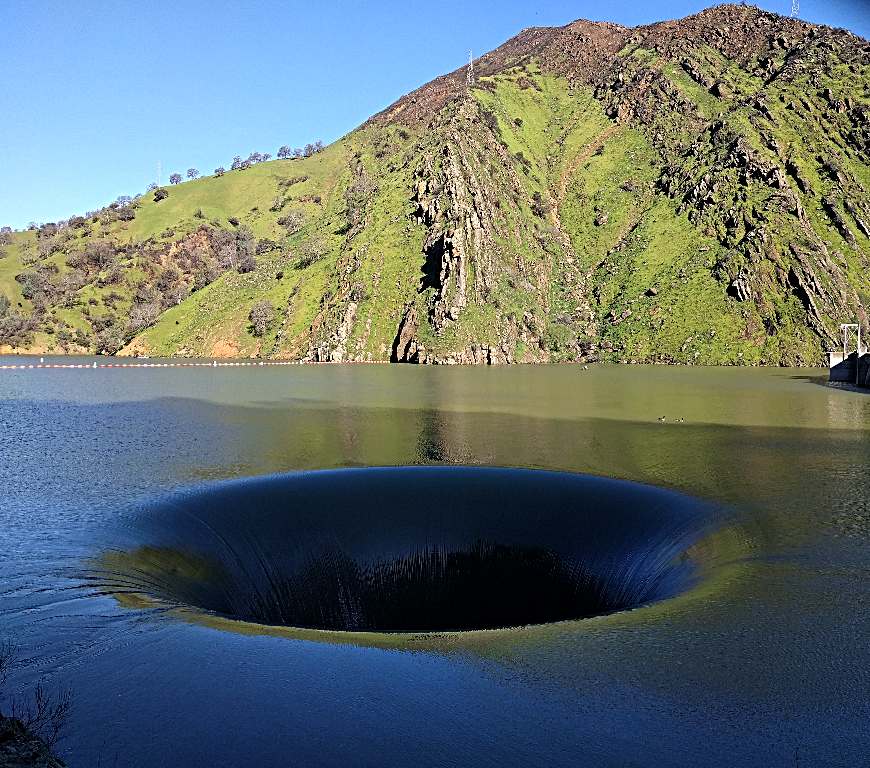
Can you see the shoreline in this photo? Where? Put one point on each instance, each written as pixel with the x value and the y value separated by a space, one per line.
pixel 218 361
pixel 19 746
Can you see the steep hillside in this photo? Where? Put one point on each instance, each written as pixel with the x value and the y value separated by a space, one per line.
pixel 691 191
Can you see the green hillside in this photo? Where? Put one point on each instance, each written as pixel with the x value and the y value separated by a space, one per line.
pixel 671 193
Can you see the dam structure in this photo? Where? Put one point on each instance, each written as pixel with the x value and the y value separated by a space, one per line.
pixel 850 366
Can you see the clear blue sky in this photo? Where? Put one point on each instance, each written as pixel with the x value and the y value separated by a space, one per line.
pixel 94 93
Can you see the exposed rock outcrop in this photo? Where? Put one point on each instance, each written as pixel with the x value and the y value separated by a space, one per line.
pixel 406 349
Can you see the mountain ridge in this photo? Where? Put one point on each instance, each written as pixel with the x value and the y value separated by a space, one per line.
pixel 690 191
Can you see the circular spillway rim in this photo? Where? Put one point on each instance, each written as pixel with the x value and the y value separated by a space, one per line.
pixel 203 614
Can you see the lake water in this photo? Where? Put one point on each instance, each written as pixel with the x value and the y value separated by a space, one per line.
pixel 750 532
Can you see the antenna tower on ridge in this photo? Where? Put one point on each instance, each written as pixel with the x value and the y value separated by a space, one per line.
pixel 795 8
pixel 159 172
pixel 469 75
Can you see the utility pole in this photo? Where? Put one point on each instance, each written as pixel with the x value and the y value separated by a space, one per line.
pixel 469 75
pixel 795 8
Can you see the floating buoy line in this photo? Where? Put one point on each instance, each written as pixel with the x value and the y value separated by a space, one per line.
pixel 213 364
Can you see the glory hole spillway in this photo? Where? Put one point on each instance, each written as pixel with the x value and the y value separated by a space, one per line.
pixel 409 549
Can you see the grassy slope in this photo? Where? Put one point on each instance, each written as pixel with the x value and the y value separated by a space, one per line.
pixel 214 321
pixel 627 237
pixel 12 265
pixel 388 248
pixel 658 248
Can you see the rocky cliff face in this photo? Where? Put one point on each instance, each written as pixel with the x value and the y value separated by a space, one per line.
pixel 755 127
pixel 694 191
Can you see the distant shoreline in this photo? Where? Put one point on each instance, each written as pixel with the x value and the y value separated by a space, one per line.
pixel 124 361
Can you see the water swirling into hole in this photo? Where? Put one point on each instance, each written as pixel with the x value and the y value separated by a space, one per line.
pixel 410 549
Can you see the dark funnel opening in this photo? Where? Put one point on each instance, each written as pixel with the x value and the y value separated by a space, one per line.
pixel 412 549
pixel 482 586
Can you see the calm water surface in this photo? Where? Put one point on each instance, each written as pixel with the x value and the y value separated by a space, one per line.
pixel 762 661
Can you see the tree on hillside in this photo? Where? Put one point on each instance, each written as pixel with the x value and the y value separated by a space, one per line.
pixel 151 187
pixel 175 178
pixel 284 152
pixel 192 173
pixel 298 153
pixel 236 164
pixel 167 280
pixel 312 149
pixel 220 171
pixel 261 316
pixel 142 316
pixel 293 221
pixel 160 194
pixel 17 329
pixel 223 244
pixel 109 340
pixel 99 254
pixel 246 247
pixel 205 276
pixel 265 156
